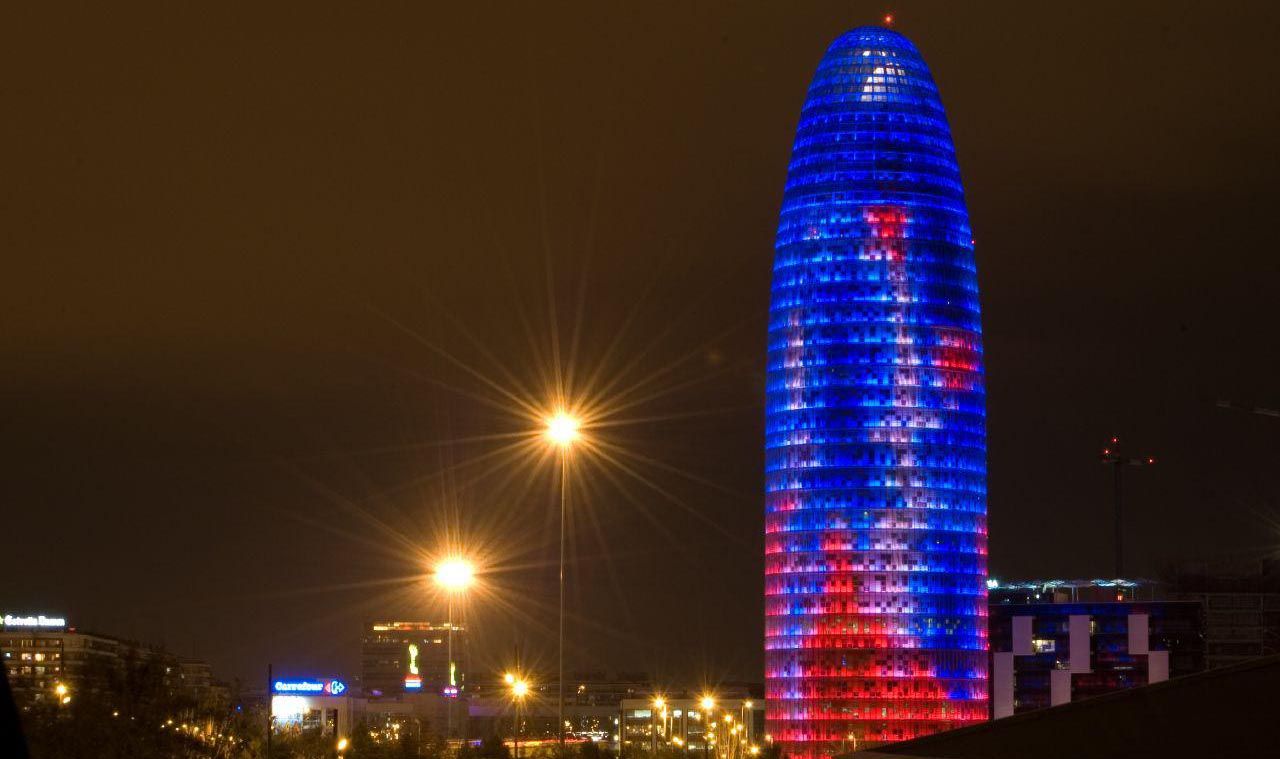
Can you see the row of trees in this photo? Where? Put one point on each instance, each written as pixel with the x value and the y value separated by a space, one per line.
pixel 132 710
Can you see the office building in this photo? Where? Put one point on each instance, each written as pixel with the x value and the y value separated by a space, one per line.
pixel 1238 626
pixel 42 652
pixel 1241 600
pixel 1054 642
pixel 412 657
pixel 875 450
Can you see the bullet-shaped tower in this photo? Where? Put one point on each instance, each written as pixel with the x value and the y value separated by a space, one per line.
pixel 875 450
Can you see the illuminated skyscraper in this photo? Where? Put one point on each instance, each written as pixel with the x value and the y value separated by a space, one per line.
pixel 875 451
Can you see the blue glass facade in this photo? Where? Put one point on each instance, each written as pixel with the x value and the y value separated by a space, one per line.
pixel 875 451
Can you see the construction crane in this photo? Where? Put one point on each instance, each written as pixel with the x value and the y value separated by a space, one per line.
pixel 1112 457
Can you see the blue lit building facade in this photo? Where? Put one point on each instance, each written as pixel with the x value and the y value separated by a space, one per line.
pixel 1056 641
pixel 875 451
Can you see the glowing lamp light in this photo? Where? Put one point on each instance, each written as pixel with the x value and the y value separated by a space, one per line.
pixel 562 429
pixel 707 703
pixel 455 575
pixel 519 689
pixel 509 679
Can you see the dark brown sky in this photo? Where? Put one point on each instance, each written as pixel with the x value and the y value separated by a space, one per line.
pixel 214 219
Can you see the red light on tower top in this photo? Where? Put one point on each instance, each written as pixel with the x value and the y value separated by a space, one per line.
pixel 888 19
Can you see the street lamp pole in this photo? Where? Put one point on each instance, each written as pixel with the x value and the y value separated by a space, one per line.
pixel 519 689
pixel 562 431
pixel 448 675
pixel 453 575
pixel 270 716
pixel 564 508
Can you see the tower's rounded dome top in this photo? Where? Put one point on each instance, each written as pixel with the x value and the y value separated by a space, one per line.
pixel 872 130
pixel 873 37
pixel 869 61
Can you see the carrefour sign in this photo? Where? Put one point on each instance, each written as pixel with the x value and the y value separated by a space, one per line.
pixel 34 620
pixel 328 687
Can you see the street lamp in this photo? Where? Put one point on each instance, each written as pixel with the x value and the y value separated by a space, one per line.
pixel 562 429
pixel 659 707
pixel 562 432
pixel 519 688
pixel 342 746
pixel 454 576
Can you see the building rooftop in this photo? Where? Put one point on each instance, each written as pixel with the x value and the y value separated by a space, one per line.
pixel 994 584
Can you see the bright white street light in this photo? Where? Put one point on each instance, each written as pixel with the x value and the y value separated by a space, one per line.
pixel 455 575
pixel 562 429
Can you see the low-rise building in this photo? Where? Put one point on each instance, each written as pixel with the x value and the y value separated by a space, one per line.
pixel 1053 642
pixel 728 728
pixel 45 658
pixel 1238 626
pixel 628 708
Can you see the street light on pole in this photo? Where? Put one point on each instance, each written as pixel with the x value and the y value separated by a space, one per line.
pixel 562 432
pixel 519 688
pixel 454 576
pixel 708 704
pixel 659 707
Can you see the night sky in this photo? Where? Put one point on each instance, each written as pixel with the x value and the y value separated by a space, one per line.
pixel 270 277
